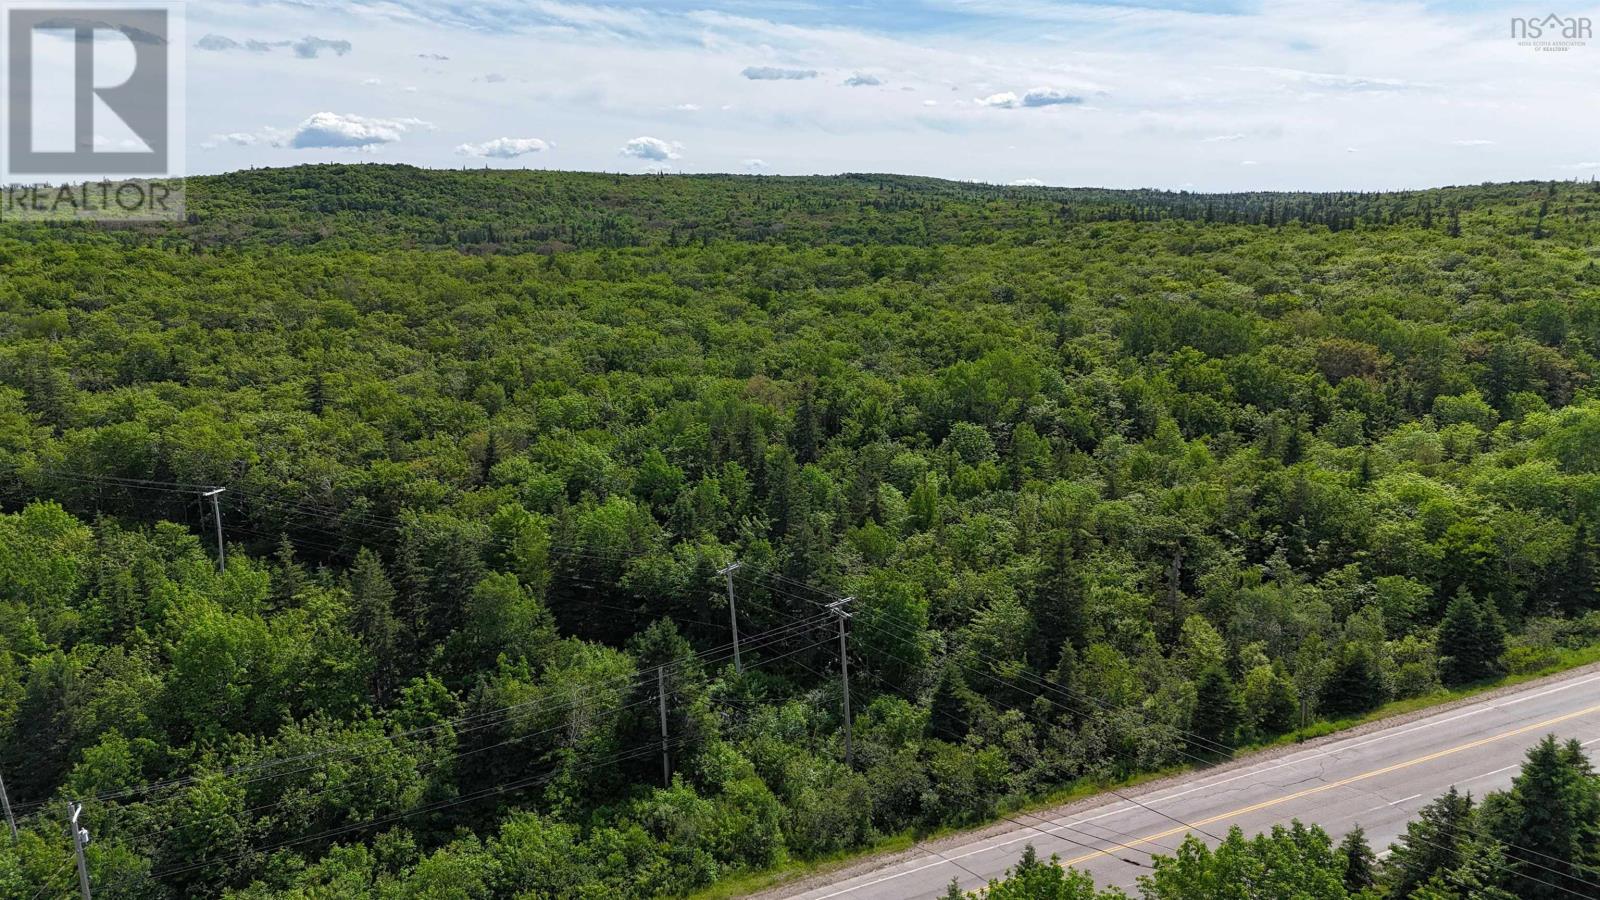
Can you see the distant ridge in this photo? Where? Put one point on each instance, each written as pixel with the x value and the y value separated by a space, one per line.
pixel 516 211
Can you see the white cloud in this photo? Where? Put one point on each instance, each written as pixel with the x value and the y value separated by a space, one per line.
pixel 1047 96
pixel 652 149
pixel 1248 162
pixel 930 103
pixel 216 43
pixel 101 142
pixel 773 73
pixel 1032 98
pixel 329 130
pixel 372 82
pixel 1336 82
pixel 308 47
pixel 862 80
pixel 311 47
pixel 754 164
pixel 1583 165
pixel 236 138
pixel 1298 77
pixel 1026 182
pixel 687 107
pixel 504 148
pixel 492 78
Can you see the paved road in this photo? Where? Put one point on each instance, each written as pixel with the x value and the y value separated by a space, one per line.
pixel 1377 780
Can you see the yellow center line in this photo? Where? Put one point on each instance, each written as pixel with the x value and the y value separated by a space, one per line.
pixel 1338 784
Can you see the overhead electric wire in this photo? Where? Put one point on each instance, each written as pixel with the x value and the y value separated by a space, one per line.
pixel 493 790
pixel 481 794
pixel 713 655
pixel 449 757
pixel 45 885
pixel 1202 760
pixel 1063 825
pixel 391 523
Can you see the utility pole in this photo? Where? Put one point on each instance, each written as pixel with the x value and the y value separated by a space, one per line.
pixel 838 607
pixel 216 516
pixel 5 801
pixel 80 839
pixel 733 615
pixel 661 695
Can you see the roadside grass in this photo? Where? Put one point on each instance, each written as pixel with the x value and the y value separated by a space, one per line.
pixel 1563 660
pixel 745 883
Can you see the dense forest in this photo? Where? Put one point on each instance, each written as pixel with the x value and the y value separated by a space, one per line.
pixel 1538 840
pixel 1114 481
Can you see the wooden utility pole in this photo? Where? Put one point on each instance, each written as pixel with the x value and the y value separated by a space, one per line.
pixel 661 695
pixel 5 801
pixel 838 607
pixel 216 517
pixel 80 839
pixel 733 614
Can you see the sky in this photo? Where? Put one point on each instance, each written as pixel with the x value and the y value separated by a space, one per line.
pixel 1177 94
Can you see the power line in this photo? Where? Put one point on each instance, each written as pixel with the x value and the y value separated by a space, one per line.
pixel 435 763
pixel 707 656
pixel 493 790
pixel 45 884
pixel 1142 805
pixel 382 521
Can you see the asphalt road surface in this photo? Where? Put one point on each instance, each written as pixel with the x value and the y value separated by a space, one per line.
pixel 1377 780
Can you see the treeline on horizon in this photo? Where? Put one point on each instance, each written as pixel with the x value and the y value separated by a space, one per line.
pixel 515 211
pixel 1111 496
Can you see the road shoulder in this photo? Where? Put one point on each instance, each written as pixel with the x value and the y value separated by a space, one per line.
pixel 828 874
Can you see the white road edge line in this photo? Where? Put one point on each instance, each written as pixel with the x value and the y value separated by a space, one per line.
pixel 1115 809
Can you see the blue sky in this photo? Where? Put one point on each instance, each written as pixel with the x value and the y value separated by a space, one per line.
pixel 1198 94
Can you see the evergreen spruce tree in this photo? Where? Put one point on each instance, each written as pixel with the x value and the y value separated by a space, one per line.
pixel 806 429
pixel 373 620
pixel 1472 639
pixel 288 576
pixel 1578 586
pixel 1476 878
pixel 1356 684
pixel 1491 638
pixel 1551 824
pixel 1216 713
pixel 1360 864
pixel 1432 844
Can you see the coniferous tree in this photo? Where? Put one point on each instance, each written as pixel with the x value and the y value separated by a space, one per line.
pixel 806 429
pixel 1550 823
pixel 1216 714
pixel 1579 581
pixel 1360 864
pixel 1356 684
pixel 1472 639
pixel 289 576
pixel 1483 864
pixel 1432 844
pixel 373 620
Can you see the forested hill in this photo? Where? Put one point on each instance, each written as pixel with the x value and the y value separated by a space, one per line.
pixel 514 211
pixel 1119 481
